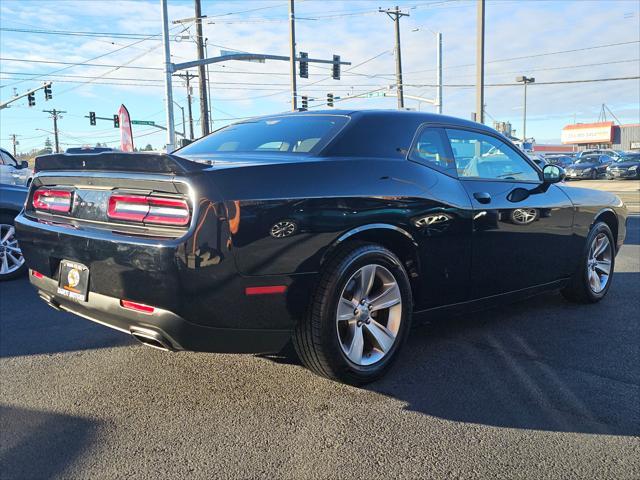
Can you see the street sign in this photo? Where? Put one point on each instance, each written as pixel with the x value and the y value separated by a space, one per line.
pixel 143 122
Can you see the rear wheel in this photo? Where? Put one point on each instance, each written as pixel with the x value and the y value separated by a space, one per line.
pixel 12 262
pixel 591 282
pixel 359 316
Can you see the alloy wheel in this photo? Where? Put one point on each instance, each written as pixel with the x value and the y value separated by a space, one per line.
pixel 599 263
pixel 369 314
pixel 11 258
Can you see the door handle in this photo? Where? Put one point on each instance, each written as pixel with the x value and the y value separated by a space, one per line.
pixel 482 197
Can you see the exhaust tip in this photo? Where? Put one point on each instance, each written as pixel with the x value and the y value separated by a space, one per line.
pixel 151 339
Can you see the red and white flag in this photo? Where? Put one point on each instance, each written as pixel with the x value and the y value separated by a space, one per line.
pixel 126 133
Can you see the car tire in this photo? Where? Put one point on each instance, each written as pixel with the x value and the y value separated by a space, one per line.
pixel 9 269
pixel 359 346
pixel 583 286
pixel 594 175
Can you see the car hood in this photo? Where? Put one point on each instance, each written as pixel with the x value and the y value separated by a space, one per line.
pixel 627 164
pixel 581 166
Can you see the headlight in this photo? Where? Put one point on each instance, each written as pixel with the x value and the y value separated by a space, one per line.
pixel 586 170
pixel 634 168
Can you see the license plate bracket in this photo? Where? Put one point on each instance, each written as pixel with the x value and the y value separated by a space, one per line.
pixel 73 281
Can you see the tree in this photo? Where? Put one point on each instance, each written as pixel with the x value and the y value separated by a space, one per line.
pixel 48 146
pixel 148 148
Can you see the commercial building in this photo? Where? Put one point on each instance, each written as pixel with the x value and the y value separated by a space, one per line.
pixel 602 135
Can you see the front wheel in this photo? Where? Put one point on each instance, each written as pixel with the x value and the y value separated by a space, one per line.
pixel 359 316
pixel 592 280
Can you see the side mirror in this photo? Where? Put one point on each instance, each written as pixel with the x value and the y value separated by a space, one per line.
pixel 553 174
pixel 24 164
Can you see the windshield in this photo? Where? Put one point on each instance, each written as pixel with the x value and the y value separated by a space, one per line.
pixel 633 157
pixel 587 159
pixel 295 134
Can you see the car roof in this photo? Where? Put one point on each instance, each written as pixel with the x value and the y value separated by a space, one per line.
pixel 402 115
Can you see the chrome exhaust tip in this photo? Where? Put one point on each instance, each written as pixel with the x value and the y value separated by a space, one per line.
pixel 151 338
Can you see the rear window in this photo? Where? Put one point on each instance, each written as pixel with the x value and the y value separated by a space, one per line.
pixel 295 134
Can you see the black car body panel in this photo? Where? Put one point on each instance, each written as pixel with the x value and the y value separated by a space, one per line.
pixel 627 167
pixel 274 219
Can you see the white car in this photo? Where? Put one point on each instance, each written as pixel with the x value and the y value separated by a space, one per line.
pixel 13 172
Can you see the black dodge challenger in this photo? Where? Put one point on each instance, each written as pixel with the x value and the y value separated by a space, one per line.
pixel 330 229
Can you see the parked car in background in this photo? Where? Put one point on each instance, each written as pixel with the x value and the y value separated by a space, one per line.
pixel 561 160
pixel 625 167
pixel 12 200
pixel 590 166
pixel 13 172
pixel 329 229
pixel 538 159
pixel 613 154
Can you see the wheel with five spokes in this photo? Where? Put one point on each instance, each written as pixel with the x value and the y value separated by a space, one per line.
pixel 12 262
pixel 359 316
pixel 591 281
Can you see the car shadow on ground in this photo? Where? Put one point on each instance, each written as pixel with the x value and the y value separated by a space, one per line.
pixel 39 329
pixel 42 444
pixel 542 364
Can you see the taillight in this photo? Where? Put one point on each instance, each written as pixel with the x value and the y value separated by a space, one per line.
pixel 158 210
pixel 137 307
pixel 52 200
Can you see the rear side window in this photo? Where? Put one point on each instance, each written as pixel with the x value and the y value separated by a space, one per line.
pixel 296 134
pixel 431 149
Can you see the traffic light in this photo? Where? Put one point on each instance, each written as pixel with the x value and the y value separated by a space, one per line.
pixel 336 67
pixel 329 99
pixel 305 102
pixel 32 99
pixel 116 121
pixel 92 118
pixel 47 92
pixel 304 65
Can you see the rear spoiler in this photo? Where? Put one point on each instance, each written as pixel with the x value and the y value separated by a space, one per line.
pixel 118 162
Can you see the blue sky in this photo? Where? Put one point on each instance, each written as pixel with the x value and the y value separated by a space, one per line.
pixel 352 29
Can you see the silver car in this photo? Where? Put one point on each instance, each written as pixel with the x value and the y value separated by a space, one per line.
pixel 13 172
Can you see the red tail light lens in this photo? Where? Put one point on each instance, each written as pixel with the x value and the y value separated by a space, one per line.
pixel 52 200
pixel 137 307
pixel 157 210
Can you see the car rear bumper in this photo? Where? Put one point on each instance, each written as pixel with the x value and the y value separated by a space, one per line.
pixel 168 330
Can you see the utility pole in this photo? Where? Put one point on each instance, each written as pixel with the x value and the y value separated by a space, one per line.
pixel 206 54
pixel 204 109
pixel 439 67
pixel 480 63
pixel 55 114
pixel 526 81
pixel 395 15
pixel 168 69
pixel 188 76
pixel 15 142
pixel 292 55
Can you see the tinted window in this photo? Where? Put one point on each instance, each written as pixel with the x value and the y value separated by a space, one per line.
pixel 287 134
pixel 431 149
pixel 483 156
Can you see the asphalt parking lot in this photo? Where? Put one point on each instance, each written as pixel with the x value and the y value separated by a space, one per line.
pixel 539 389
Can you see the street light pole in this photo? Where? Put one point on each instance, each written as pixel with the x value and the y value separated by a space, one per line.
pixel 292 54
pixel 480 63
pixel 167 80
pixel 525 80
pixel 439 67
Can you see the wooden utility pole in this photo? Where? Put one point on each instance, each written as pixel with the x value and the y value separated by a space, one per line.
pixel 15 142
pixel 395 15
pixel 55 114
pixel 202 79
